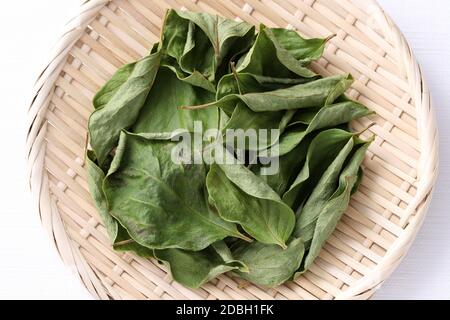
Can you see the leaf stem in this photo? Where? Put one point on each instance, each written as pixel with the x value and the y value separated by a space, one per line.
pixel 217 44
pixel 233 69
pixel 283 246
pixel 200 106
pixel 327 39
pixel 122 243
pixel 364 130
pixel 244 284
pixel 244 237
pixel 86 142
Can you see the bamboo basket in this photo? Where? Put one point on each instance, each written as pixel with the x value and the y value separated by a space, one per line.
pixel 383 217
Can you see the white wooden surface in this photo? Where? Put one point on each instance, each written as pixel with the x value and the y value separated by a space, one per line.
pixel 29 265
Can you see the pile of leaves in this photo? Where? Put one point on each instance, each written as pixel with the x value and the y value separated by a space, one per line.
pixel 203 220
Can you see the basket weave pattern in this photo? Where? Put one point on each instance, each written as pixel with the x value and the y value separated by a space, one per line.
pixel 383 216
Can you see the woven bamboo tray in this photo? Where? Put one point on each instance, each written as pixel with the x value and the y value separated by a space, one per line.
pixel 384 216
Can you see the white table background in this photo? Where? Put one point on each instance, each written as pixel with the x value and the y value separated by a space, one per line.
pixel 30 267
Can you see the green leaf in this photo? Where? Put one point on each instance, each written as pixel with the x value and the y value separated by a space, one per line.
pixel 223 119
pixel 119 236
pixel 268 58
pixel 303 50
pixel 108 91
pixel 193 269
pixel 189 35
pixel 161 204
pixel 198 45
pixel 331 211
pixel 311 94
pixel 214 66
pixel 322 151
pixel 359 178
pixel 269 265
pixel 303 117
pixel 95 180
pixel 174 35
pixel 302 96
pixel 327 117
pixel 236 49
pixel 122 108
pixel 245 119
pixel 161 112
pixel 320 195
pixel 195 78
pixel 239 83
pixel 222 33
pixel 242 197
pixel 290 165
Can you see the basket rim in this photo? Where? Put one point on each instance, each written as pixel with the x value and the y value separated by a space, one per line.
pixel 426 126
